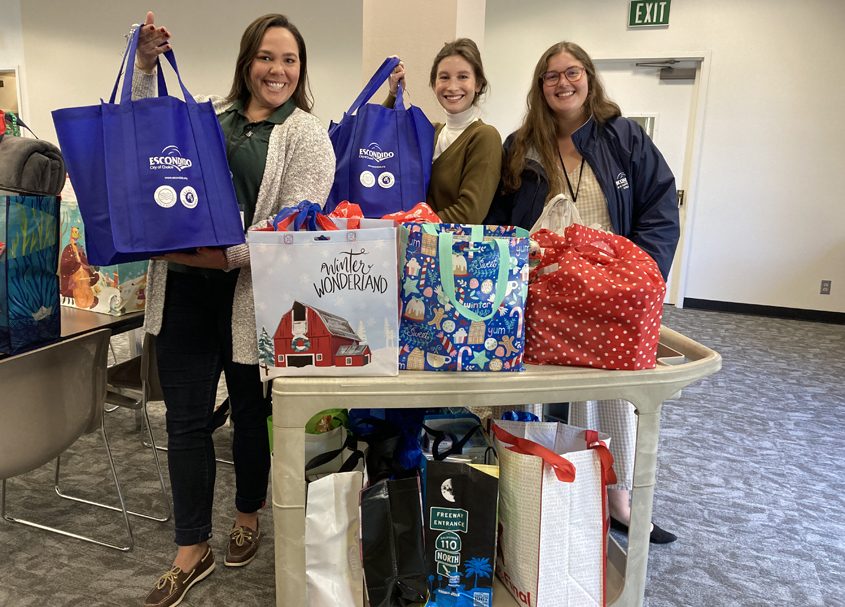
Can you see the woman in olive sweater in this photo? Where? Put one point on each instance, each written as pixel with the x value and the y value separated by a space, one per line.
pixel 467 153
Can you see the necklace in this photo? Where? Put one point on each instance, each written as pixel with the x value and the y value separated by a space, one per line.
pixel 568 183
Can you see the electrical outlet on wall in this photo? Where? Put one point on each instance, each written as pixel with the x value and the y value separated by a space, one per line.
pixel 825 288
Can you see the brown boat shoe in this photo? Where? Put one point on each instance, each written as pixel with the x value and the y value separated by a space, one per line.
pixel 243 545
pixel 172 587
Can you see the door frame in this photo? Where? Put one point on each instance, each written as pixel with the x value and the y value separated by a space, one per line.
pixel 692 154
pixel 18 86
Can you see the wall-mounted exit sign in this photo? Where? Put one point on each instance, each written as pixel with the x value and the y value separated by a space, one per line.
pixel 644 13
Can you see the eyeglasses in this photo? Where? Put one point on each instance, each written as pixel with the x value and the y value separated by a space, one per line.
pixel 552 77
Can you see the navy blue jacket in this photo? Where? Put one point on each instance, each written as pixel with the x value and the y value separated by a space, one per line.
pixel 634 177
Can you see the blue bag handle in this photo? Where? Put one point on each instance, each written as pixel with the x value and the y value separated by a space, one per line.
pixel 306 211
pixel 520 416
pixel 382 74
pixel 129 62
pixel 162 86
pixel 447 275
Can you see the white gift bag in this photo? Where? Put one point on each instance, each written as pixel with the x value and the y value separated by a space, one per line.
pixel 552 517
pixel 326 303
pixel 557 215
pixel 334 574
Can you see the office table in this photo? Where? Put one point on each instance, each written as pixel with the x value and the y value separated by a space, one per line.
pixel 76 321
pixel 681 361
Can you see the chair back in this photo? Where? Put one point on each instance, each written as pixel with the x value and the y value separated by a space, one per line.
pixel 149 369
pixel 49 397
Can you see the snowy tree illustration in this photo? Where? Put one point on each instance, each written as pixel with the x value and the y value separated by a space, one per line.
pixel 362 332
pixel 265 350
pixel 388 334
pixel 478 568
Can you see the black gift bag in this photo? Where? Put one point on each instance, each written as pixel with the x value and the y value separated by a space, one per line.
pixel 460 532
pixel 392 543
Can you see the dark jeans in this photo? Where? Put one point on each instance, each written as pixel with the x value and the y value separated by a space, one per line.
pixel 193 347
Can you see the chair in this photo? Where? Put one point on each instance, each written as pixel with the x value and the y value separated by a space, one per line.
pixel 50 397
pixel 132 384
pixel 124 379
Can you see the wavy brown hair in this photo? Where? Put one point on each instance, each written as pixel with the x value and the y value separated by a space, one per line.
pixel 251 42
pixel 468 50
pixel 539 129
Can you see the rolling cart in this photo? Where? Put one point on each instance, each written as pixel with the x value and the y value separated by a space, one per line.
pixel 681 361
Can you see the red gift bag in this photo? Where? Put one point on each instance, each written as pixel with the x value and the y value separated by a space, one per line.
pixel 595 300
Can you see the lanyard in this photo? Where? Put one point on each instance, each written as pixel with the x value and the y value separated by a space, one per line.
pixel 568 183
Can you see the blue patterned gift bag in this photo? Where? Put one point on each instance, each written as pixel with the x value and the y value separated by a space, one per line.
pixel 29 287
pixel 463 297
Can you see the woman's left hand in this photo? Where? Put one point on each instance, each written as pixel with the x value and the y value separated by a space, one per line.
pixel 204 257
pixel 396 76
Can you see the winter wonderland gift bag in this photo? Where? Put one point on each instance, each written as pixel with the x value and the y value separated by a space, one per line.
pixel 151 174
pixel 29 287
pixel 463 294
pixel 326 302
pixel 552 518
pixel 596 300
pixel 383 154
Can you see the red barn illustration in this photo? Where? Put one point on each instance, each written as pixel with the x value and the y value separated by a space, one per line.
pixel 308 336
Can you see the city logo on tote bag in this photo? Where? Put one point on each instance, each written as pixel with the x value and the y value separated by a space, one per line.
pixel 383 154
pixel 150 175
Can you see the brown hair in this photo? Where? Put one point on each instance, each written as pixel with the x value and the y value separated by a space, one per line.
pixel 539 129
pixel 251 42
pixel 468 50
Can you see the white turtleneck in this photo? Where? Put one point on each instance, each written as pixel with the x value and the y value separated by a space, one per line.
pixel 455 125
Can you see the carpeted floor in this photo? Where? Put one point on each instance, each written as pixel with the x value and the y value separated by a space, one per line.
pixel 750 464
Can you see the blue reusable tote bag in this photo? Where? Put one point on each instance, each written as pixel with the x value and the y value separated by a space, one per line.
pixel 151 175
pixel 383 154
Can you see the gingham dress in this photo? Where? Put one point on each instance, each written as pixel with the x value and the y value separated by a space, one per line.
pixel 613 417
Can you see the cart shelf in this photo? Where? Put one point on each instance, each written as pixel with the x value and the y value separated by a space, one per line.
pixel 681 361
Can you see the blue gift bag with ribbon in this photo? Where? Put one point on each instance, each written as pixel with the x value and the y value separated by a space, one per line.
pixel 463 297
pixel 150 175
pixel 383 154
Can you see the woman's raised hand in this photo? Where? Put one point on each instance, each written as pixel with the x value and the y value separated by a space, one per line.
pixel 152 42
pixel 396 76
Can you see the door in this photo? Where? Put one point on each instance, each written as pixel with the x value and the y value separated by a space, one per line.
pixel 665 107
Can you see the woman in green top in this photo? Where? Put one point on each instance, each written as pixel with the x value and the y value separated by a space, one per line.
pixel 467 153
pixel 200 303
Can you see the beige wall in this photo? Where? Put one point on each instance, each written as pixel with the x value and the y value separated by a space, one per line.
pixel 73 48
pixel 403 28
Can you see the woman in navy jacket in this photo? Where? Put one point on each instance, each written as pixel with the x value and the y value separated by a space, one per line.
pixel 575 142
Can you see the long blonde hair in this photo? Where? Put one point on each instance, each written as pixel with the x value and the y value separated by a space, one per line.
pixel 539 129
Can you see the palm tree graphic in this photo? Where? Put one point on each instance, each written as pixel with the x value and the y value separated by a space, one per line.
pixel 478 568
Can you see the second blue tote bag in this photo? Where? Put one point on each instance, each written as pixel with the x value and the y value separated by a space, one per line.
pixel 150 175
pixel 383 154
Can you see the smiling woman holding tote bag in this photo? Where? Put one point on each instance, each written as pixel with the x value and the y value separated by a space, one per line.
pixel 200 303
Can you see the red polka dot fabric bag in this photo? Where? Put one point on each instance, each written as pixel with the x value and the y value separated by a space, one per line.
pixel 594 300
